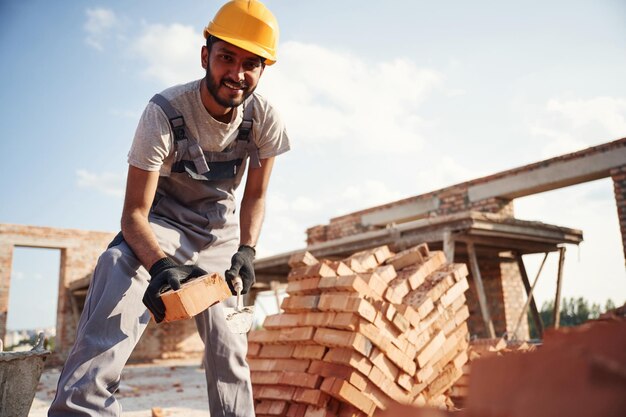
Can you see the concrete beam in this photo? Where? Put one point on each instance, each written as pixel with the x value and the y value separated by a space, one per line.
pixel 401 213
pixel 554 175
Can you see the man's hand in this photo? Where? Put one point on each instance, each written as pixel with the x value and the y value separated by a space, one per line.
pixel 242 265
pixel 166 274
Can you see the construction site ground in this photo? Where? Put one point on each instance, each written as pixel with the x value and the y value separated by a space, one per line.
pixel 177 386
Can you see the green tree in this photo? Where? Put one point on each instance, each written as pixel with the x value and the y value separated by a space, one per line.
pixel 573 313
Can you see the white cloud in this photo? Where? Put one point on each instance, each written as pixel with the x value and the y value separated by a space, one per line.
pixel 171 53
pixel 330 96
pixel 17 275
pixel 108 183
pixel 608 112
pixel 98 25
pixel 568 125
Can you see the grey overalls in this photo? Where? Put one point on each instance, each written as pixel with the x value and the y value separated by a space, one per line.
pixel 193 218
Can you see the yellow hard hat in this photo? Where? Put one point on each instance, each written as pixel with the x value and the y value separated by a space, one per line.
pixel 247 24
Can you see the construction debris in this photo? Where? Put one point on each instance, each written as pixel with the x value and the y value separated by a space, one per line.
pixel 361 334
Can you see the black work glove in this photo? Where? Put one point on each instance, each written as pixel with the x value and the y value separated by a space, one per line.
pixel 166 274
pixel 242 264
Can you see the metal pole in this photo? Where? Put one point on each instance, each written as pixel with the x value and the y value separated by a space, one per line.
pixel 530 301
pixel 480 289
pixel 559 281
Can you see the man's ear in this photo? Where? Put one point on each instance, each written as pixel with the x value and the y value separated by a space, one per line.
pixel 204 56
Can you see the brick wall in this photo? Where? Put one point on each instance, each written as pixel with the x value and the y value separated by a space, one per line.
pixel 80 250
pixel 619 187
pixel 455 198
pixel 505 296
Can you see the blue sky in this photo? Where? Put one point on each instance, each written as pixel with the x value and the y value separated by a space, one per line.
pixel 382 100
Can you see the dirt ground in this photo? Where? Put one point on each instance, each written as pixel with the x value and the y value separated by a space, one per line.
pixel 176 386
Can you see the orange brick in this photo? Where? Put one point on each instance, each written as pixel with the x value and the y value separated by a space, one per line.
pixel 341 338
pixel 265 378
pixel 382 253
pixel 425 373
pixel 277 321
pixel 405 381
pixel 430 349
pixel 375 283
pixel 346 392
pixel 314 271
pixel 435 261
pixel 378 397
pixel 344 321
pixel 296 334
pixel 327 284
pixel 315 318
pixel 367 259
pixel 274 392
pixel 354 283
pixel 389 311
pixel 296 365
pixel 304 286
pixel 349 357
pixel 355 265
pixel 340 268
pixel 300 379
pixel 347 373
pixel 194 296
pixel 311 396
pixel 364 308
pixel 276 351
pixel 383 363
pixel 300 303
pixel 309 351
pixel 454 292
pixel 271 408
pixel 412 256
pixel 374 335
pixel 420 301
pixel 313 411
pixel 386 273
pixel 335 301
pixel 253 349
pixel 296 410
pixel 396 290
pixel 263 336
pixel 444 380
pixel 405 363
pixel 301 259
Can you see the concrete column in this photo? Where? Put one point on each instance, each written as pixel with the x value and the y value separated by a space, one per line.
pixel 6 262
pixel 619 187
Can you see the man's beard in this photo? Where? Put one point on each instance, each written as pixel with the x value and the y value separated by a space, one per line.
pixel 213 88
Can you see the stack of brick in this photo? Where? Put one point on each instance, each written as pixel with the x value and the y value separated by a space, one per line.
pixel 482 348
pixel 361 334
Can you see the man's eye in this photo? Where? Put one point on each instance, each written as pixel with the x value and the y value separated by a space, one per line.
pixel 251 65
pixel 226 58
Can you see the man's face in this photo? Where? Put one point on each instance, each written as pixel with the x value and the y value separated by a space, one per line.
pixel 232 73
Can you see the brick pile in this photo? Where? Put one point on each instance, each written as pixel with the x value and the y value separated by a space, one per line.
pixel 362 334
pixel 482 348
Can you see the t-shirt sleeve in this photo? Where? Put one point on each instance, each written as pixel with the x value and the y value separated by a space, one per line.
pixel 271 138
pixel 152 144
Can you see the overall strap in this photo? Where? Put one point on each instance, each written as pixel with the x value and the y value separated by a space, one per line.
pixel 183 140
pixel 245 129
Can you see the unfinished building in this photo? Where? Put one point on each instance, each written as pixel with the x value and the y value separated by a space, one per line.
pixel 472 222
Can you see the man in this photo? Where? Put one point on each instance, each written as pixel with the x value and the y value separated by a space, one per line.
pixel 188 156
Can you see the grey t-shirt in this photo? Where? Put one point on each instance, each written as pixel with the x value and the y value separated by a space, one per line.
pixel 153 150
